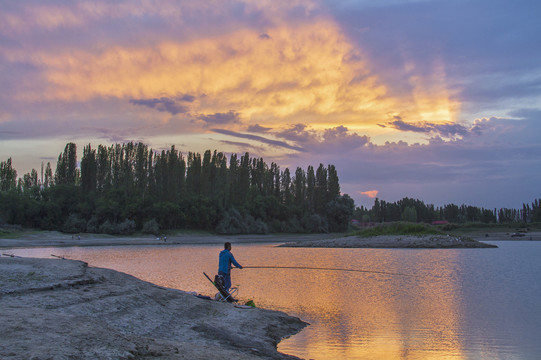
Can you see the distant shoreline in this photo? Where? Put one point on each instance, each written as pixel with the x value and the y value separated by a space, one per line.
pixel 395 242
pixel 33 239
pixel 58 239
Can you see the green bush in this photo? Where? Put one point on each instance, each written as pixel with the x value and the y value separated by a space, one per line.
pixel 233 222
pixel 292 225
pixel 74 224
pixel 259 227
pixel 108 228
pixel 314 223
pixel 93 226
pixel 127 227
pixel 151 227
pixel 399 228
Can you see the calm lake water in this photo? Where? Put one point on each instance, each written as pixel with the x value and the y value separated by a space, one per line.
pixel 461 304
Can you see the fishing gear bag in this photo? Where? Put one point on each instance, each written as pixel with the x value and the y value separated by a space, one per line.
pixel 219 282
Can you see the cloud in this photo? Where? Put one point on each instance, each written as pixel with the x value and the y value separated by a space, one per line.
pixel 256 128
pixel 242 146
pixel 370 193
pixel 497 168
pixel 335 140
pixel 164 104
pixel 527 114
pixel 260 139
pixel 447 130
pixel 230 117
pixel 308 69
pixel 407 38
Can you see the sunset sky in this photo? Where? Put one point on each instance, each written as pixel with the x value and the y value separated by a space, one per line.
pixel 435 100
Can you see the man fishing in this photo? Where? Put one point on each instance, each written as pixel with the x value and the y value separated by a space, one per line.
pixel 224 267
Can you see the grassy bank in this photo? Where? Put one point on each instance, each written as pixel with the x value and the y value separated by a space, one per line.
pixel 398 228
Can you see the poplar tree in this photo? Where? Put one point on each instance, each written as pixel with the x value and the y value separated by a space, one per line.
pixel 89 170
pixel 321 189
pixel 8 176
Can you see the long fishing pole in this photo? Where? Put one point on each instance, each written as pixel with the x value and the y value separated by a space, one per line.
pixel 328 269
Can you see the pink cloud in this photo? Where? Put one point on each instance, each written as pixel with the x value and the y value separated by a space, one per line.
pixel 370 193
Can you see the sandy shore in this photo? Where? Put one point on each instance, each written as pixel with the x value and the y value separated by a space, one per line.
pixel 63 309
pixel 54 238
pixel 394 241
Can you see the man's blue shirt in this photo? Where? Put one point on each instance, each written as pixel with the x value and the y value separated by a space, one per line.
pixel 226 258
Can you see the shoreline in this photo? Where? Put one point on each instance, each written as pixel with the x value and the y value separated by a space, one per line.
pixel 466 240
pixel 58 239
pixel 66 309
pixel 395 242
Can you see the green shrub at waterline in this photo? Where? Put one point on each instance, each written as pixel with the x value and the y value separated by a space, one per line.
pixel 398 228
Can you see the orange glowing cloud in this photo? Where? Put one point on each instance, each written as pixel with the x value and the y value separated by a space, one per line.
pixel 371 193
pixel 290 71
pixel 433 100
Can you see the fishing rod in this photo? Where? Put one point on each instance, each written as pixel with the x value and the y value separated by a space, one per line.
pixel 328 269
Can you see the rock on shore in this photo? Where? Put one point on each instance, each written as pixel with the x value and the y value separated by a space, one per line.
pixel 394 241
pixel 63 309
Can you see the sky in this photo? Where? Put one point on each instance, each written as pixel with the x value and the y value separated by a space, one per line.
pixel 428 99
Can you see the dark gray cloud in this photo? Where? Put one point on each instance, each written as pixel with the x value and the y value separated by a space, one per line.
pixel 260 139
pixel 242 145
pixel 173 106
pixel 341 135
pixel 230 117
pixel 297 132
pixel 527 114
pixel 335 140
pixel 187 98
pixel 258 128
pixel 494 174
pixel 446 130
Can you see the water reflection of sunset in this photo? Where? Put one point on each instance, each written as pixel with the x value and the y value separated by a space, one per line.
pixel 373 316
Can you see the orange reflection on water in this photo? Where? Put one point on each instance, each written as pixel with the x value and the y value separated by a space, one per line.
pixel 375 316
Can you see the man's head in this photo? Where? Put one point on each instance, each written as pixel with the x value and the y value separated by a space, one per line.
pixel 227 246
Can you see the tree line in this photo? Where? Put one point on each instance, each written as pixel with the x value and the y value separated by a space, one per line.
pixel 414 210
pixel 123 188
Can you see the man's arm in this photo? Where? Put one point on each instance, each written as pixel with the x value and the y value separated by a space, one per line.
pixel 235 262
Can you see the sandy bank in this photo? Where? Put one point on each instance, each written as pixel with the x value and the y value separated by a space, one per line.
pixel 394 241
pixel 63 309
pixel 54 238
